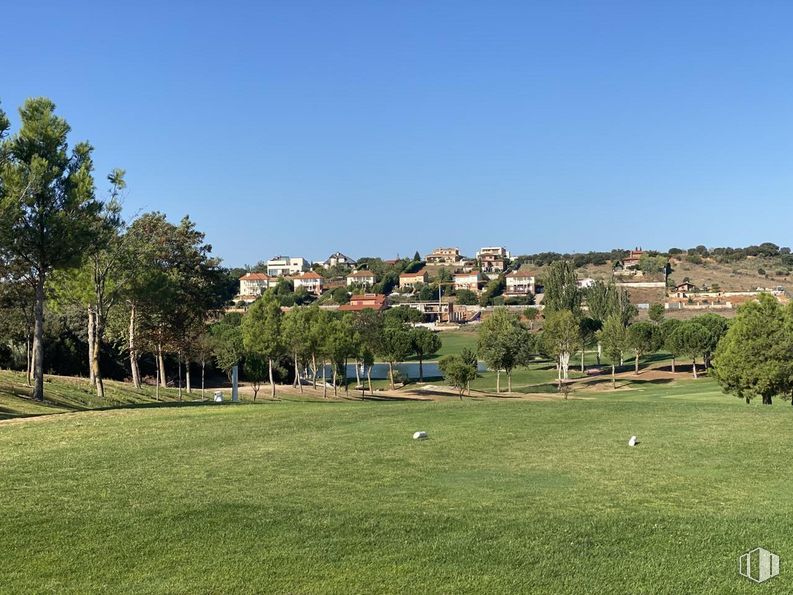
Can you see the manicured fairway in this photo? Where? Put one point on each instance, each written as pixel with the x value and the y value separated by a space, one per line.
pixel 309 497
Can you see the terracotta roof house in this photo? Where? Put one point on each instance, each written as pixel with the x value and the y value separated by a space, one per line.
pixel 492 259
pixel 410 280
pixel 310 281
pixel 361 278
pixel 371 301
pixel 252 285
pixel 448 256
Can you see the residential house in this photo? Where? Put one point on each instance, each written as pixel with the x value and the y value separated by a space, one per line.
pixel 444 256
pixel 683 289
pixel 631 262
pixel 434 311
pixel 366 301
pixel 281 266
pixel 468 281
pixel 361 278
pixel 337 259
pixel 492 259
pixel 410 280
pixel 520 283
pixel 310 281
pixel 252 285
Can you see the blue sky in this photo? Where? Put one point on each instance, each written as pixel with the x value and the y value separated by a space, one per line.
pixel 378 128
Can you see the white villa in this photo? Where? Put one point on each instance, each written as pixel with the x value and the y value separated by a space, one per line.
pixel 361 278
pixel 252 285
pixel 310 281
pixel 519 283
pixel 281 266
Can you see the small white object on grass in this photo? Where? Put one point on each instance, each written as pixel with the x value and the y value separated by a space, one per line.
pixel 420 436
pixel 633 441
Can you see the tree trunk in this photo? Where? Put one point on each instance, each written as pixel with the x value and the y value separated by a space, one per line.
pixel 91 342
pixel 314 370
pixel 636 365
pixel 600 349
pixel 298 379
pixel 96 352
pixel 335 374
pixel 133 354
pixel 509 381
pixel 324 381
pixel 391 374
pixel 29 359
pixel 421 369
pixel 187 381
pixel 582 360
pixel 38 340
pixel 673 364
pixel 498 381
pixel 161 366
pixel 203 365
pixel 157 385
pixel 766 399
pixel 179 373
pixel 613 378
pixel 694 367
pixel 369 379
pixel 272 382
pixel 357 373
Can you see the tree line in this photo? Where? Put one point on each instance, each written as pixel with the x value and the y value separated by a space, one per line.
pixel 310 344
pixel 147 285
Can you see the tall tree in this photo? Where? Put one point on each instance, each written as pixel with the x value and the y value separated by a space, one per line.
pixel 561 288
pixel 561 336
pixel 424 342
pixel 755 357
pixel 643 338
pixel 394 347
pixel 501 339
pixel 458 372
pixel 261 331
pixel 47 204
pixel 717 327
pixel 692 339
pixel 613 337
pixel 667 329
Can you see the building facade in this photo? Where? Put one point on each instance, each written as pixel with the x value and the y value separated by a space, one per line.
pixel 282 266
pixel 441 256
pixel 361 278
pixel 469 281
pixel 520 283
pixel 410 280
pixel 310 281
pixel 252 285
pixel 337 259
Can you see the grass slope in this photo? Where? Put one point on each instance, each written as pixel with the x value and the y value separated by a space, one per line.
pixel 303 497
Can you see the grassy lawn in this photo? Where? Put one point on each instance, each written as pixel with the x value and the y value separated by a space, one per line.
pixel 506 496
pixel 454 342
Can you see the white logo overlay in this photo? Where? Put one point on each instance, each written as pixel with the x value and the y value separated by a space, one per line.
pixel 758 565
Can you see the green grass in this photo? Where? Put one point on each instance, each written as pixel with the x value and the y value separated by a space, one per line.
pixel 506 496
pixel 453 342
pixel 76 394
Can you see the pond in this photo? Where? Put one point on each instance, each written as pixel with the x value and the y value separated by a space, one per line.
pixel 409 369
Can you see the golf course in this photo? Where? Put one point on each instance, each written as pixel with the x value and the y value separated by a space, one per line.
pixel 306 495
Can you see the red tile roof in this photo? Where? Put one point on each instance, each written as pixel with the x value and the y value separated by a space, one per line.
pixel 361 274
pixel 309 275
pixel 420 273
pixel 254 277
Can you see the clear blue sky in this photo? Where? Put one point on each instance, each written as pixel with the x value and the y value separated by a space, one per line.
pixel 378 128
